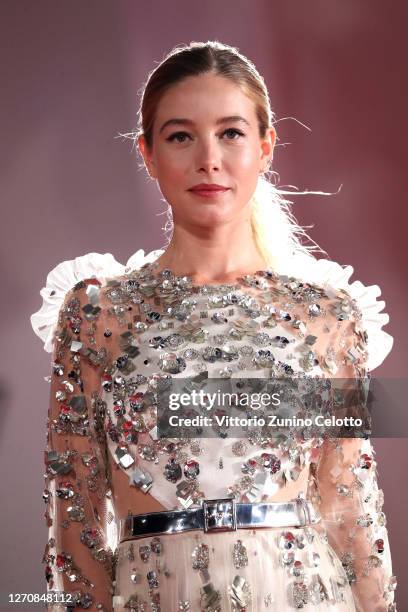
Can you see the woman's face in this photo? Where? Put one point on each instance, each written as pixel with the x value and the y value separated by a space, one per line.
pixel 194 143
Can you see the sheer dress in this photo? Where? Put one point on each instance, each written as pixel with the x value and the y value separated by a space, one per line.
pixel 116 334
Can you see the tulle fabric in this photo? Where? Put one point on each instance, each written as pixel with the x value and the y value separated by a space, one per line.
pixel 271 582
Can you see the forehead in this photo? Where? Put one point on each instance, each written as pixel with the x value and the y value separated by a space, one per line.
pixel 203 98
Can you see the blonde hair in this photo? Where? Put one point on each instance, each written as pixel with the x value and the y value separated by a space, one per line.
pixel 277 234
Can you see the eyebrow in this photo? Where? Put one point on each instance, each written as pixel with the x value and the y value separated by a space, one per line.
pixel 179 121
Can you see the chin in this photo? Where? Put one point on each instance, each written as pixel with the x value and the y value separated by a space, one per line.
pixel 209 219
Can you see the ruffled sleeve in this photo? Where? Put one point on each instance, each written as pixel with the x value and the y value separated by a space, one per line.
pixel 347 492
pixel 79 556
pixel 333 276
pixel 67 274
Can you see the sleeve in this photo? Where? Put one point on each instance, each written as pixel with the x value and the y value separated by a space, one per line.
pixel 348 496
pixel 78 559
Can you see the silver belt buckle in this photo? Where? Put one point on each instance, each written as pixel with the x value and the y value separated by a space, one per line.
pixel 302 503
pixel 220 514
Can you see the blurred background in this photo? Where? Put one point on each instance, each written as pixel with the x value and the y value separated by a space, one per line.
pixel 71 77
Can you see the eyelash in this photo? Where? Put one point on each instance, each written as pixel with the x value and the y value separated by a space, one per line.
pixel 173 136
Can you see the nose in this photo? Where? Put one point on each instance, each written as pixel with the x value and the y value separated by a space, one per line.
pixel 208 157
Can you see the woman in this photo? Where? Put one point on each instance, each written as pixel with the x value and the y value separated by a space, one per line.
pixel 298 521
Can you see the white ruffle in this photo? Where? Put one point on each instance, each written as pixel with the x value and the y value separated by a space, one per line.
pixel 328 274
pixel 67 274
pixel 331 276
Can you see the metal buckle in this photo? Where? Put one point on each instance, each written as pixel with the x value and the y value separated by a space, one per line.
pixel 302 503
pixel 220 514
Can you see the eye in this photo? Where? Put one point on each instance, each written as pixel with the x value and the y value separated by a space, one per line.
pixel 233 131
pixel 176 135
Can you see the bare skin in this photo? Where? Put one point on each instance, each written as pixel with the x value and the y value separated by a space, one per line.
pixel 212 239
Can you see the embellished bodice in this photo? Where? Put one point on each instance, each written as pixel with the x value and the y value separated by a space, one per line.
pixel 264 325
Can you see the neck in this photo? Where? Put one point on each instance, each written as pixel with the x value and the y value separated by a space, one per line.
pixel 215 259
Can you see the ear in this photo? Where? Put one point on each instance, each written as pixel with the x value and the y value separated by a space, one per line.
pixel 267 147
pixel 147 155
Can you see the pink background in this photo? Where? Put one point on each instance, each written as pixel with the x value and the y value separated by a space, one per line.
pixel 71 73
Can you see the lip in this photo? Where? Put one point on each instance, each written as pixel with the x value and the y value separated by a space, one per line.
pixel 209 194
pixel 209 187
pixel 209 191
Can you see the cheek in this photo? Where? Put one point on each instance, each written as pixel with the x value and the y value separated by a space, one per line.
pixel 171 167
pixel 245 161
pixel 246 172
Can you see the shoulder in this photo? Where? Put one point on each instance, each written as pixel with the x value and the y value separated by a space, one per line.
pixel 80 279
pixel 351 300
